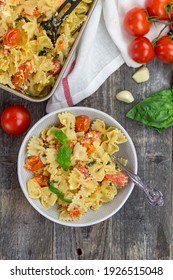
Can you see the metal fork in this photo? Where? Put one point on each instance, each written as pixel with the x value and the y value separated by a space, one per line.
pixel 51 25
pixel 154 197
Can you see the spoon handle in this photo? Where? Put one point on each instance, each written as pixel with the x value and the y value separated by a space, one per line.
pixel 154 197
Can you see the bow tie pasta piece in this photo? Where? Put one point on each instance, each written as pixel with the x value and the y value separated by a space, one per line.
pixel 112 138
pixel 67 121
pixel 98 125
pixel 79 154
pixel 35 146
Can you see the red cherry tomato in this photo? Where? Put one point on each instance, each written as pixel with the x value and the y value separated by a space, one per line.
pixel 136 22
pixel 15 119
pixel 141 50
pixel 163 9
pixel 34 164
pixel 42 180
pixel 12 38
pixel 82 123
pixel 164 49
pixel 119 179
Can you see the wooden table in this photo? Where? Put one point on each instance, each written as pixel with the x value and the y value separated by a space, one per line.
pixel 137 231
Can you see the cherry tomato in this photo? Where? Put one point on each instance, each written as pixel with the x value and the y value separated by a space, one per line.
pixel 82 123
pixel 34 164
pixel 164 49
pixel 119 179
pixel 84 171
pixel 75 213
pixel 141 50
pixel 21 76
pixel 42 180
pixel 136 22
pixel 163 9
pixel 12 38
pixel 15 119
pixel 36 12
pixel 90 148
pixel 57 67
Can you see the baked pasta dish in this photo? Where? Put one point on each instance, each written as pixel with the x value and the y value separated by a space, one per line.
pixel 29 62
pixel 71 165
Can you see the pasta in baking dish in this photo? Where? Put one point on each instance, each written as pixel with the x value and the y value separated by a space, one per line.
pixel 29 62
pixel 72 166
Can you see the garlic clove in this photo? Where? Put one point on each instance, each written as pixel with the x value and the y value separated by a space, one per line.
pixel 125 96
pixel 142 75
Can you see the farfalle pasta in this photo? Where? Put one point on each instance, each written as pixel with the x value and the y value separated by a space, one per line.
pixel 29 62
pixel 72 166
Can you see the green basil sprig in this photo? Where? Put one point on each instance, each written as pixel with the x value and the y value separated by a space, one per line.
pixel 64 154
pixel 155 111
pixel 59 193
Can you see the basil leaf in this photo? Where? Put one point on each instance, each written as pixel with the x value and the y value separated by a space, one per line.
pixel 155 111
pixel 60 135
pixel 64 156
pixel 60 194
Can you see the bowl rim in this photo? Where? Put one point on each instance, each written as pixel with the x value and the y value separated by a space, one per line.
pixel 23 148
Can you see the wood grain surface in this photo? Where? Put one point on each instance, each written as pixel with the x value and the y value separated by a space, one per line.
pixel 137 231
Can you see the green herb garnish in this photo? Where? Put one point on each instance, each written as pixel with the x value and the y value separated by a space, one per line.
pixel 91 163
pixel 60 194
pixel 60 135
pixel 64 157
pixel 64 154
pixel 155 111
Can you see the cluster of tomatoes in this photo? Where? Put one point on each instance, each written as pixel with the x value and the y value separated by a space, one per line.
pixel 138 22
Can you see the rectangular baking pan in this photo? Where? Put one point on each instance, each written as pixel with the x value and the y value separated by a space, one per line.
pixel 37 99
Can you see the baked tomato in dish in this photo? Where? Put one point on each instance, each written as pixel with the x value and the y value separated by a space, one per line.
pixel 12 37
pixel 15 119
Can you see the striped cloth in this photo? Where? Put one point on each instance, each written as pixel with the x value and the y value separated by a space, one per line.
pixel 103 48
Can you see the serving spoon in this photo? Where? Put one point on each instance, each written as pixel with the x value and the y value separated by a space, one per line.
pixel 154 197
pixel 51 25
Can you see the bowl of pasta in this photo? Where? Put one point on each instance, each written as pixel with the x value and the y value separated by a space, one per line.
pixel 65 167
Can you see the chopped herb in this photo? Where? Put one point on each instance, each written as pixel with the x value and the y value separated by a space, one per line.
pixel 53 182
pixel 45 146
pixel 44 51
pixel 91 163
pixel 108 163
pixel 56 57
pixel 60 194
pixel 20 18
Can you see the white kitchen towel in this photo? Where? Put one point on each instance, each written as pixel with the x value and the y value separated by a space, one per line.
pixel 103 48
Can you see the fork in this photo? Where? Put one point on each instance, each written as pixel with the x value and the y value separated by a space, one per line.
pixel 51 25
pixel 154 197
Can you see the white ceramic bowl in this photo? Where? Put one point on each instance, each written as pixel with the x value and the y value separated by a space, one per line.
pixel 108 209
